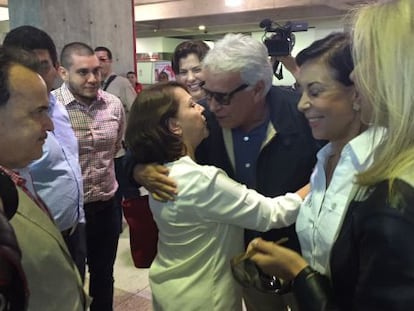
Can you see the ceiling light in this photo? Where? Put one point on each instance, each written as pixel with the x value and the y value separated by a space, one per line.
pixel 201 27
pixel 233 2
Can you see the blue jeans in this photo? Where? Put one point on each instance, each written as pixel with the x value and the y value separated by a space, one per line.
pixel 102 233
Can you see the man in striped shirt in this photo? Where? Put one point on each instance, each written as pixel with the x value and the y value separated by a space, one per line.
pixel 98 120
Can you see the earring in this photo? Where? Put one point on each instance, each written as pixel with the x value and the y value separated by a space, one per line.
pixel 356 107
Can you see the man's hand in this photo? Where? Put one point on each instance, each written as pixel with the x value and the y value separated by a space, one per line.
pixel 154 178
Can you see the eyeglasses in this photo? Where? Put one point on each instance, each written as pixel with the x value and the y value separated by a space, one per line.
pixel 223 99
pixel 248 274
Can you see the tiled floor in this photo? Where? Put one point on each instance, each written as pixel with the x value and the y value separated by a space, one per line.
pixel 132 291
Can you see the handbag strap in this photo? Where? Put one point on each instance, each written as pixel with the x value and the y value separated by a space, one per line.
pixel 110 79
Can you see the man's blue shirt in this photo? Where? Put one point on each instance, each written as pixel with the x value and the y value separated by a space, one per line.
pixel 57 176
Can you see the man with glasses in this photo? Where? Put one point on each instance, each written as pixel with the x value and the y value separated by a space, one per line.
pixel 258 137
pixel 113 83
pixel 122 88
pixel 98 120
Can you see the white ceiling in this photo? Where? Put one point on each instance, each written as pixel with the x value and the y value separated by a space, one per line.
pixel 181 18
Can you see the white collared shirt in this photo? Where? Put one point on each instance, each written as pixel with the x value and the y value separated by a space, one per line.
pixel 322 212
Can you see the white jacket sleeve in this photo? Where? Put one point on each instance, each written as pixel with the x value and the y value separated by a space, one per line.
pixel 221 199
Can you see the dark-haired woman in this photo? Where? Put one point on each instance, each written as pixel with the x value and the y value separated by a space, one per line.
pixel 357 254
pixel 186 64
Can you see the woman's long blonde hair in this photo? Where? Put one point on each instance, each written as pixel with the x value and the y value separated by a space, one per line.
pixel 383 39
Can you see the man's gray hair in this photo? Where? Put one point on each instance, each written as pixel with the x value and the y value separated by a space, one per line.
pixel 244 54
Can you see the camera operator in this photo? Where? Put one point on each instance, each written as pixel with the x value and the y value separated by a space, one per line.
pixel 289 63
pixel 280 41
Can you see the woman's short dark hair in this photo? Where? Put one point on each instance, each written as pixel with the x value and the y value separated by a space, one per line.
pixel 197 47
pixel 335 50
pixel 147 134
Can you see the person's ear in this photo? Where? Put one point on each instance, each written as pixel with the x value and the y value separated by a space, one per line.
pixel 63 73
pixel 258 90
pixel 174 126
pixel 56 66
pixel 356 100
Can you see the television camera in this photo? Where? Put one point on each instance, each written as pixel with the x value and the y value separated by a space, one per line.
pixel 280 40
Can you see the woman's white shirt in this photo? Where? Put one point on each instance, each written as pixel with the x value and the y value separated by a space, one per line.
pixel 322 211
pixel 202 230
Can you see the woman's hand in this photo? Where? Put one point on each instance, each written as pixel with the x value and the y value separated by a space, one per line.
pixel 304 191
pixel 276 260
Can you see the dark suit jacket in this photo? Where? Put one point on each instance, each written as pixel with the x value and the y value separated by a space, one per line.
pixel 285 163
pixel 372 260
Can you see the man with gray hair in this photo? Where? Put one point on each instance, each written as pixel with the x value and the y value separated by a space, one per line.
pixel 262 139
pixel 258 137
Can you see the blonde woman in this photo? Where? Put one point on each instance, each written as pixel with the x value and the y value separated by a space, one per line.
pixel 372 260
